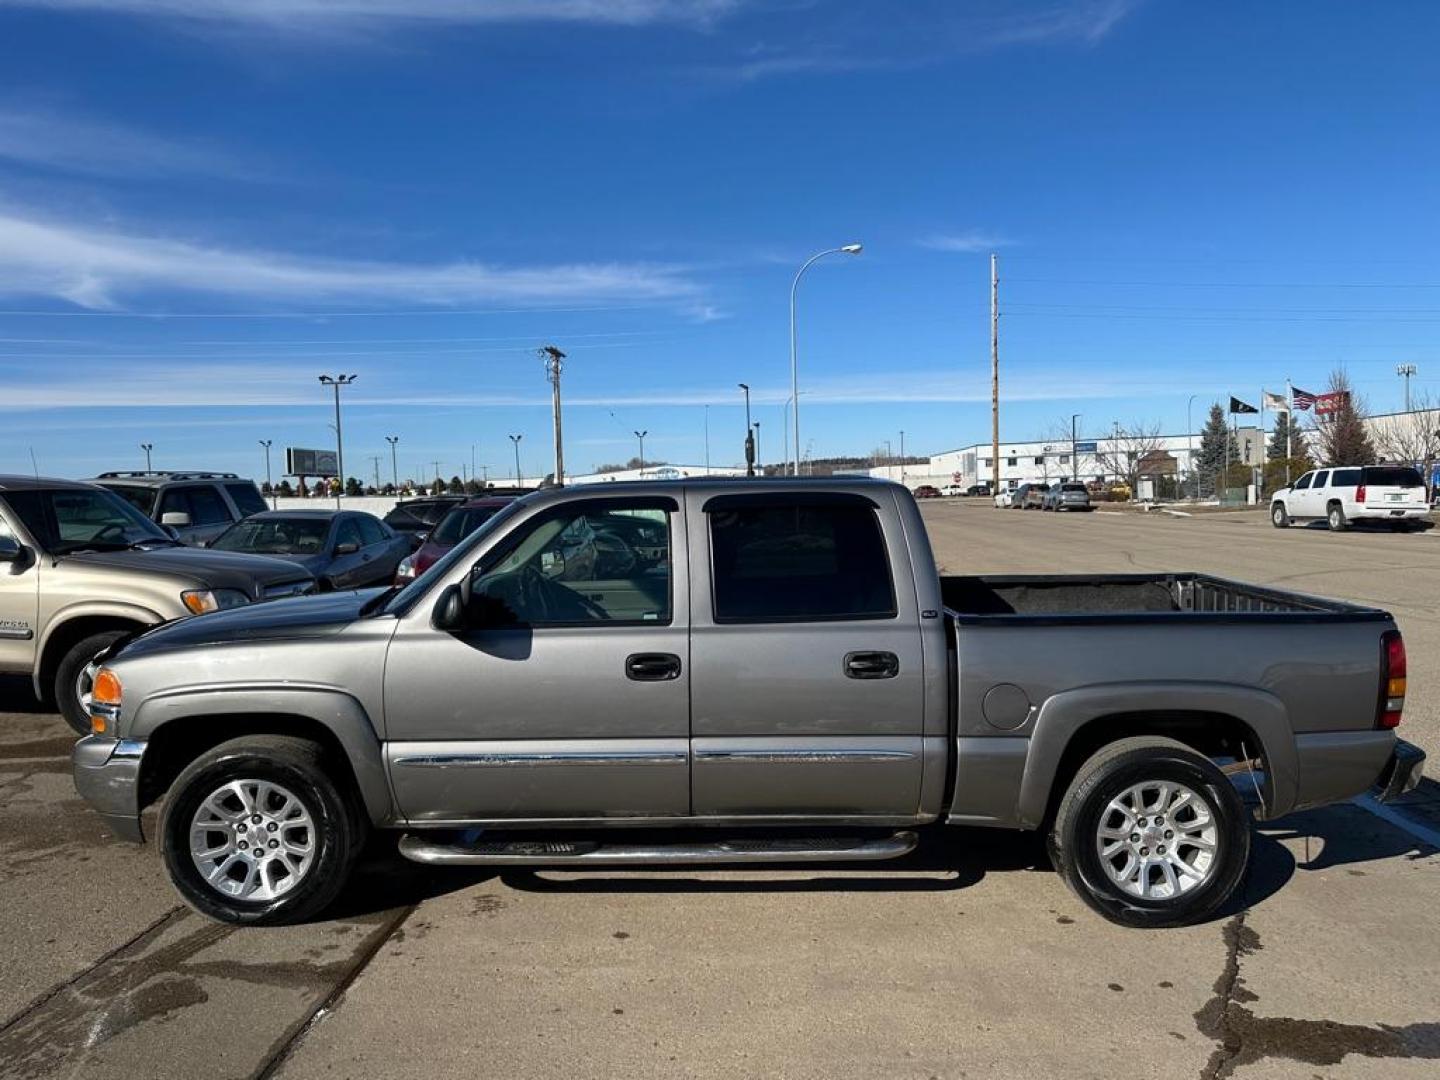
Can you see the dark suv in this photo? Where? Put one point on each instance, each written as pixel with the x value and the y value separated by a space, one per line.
pixel 198 506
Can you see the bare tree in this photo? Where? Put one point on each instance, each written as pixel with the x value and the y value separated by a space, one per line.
pixel 1341 437
pixel 1413 437
pixel 1131 451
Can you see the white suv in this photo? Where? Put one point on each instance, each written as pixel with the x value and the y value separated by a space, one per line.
pixel 1393 493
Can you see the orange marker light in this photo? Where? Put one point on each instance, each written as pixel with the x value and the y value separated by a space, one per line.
pixel 106 690
pixel 98 725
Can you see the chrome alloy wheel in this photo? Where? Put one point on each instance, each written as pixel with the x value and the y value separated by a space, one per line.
pixel 1158 840
pixel 252 840
pixel 85 686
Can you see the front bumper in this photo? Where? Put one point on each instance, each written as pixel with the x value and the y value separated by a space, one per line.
pixel 1402 772
pixel 107 776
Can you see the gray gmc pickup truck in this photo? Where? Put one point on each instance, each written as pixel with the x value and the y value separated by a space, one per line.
pixel 762 671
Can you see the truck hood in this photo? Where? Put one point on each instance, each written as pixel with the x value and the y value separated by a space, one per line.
pixel 251 574
pixel 297 618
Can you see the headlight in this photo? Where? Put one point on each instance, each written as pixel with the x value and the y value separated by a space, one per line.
pixel 406 570
pixel 199 601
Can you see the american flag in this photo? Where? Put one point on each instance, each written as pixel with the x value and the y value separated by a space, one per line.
pixel 1303 399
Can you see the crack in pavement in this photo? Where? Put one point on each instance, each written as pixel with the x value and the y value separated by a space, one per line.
pixel 1245 1038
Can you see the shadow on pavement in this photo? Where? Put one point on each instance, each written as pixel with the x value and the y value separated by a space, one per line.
pixel 18 696
pixel 383 880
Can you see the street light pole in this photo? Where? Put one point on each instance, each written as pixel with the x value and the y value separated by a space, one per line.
pixel 1190 445
pixel 756 428
pixel 749 434
pixel 641 436
pixel 707 440
pixel 848 249
pixel 1074 454
pixel 394 462
pixel 902 457
pixel 274 503
pixel 147 447
pixel 515 441
pixel 337 382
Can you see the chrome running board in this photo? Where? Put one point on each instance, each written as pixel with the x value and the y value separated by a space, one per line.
pixel 485 852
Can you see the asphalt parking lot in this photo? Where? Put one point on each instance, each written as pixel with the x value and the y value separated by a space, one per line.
pixel 967 959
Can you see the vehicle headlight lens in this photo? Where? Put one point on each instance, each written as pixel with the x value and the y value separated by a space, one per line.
pixel 406 570
pixel 199 601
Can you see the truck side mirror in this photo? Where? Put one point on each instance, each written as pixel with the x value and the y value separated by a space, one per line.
pixel 178 519
pixel 349 547
pixel 449 616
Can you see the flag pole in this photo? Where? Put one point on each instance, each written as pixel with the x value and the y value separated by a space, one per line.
pixel 1289 427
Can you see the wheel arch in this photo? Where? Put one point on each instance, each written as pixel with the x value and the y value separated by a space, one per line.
pixel 1214 720
pixel 179 728
pixel 65 631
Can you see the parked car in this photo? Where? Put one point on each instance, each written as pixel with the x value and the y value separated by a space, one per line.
pixel 81 568
pixel 954 491
pixel 1389 493
pixel 1004 500
pixel 927 491
pixel 783 669
pixel 457 524
pixel 1034 497
pixel 978 489
pixel 342 549
pixel 1069 495
pixel 197 506
pixel 416 517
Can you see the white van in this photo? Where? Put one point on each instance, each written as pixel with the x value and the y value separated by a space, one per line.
pixel 1393 493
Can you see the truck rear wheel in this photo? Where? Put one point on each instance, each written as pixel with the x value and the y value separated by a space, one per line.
pixel 1151 834
pixel 1335 517
pixel 258 831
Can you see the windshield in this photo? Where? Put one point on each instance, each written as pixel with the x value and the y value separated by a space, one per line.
pixel 401 600
pixel 276 536
pixel 1393 476
pixel 68 520
pixel 461 522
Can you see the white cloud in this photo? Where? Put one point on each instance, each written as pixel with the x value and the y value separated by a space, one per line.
pixel 97 269
pixel 54 139
pixel 320 13
pixel 968 242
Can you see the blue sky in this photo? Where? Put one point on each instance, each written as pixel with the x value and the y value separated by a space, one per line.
pixel 204 204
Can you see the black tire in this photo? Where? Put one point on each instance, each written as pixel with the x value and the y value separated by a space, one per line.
pixel 67 676
pixel 299 766
pixel 1335 518
pixel 1105 776
pixel 1279 516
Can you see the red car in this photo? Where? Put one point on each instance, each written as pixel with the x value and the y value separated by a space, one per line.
pixel 457 524
pixel 927 491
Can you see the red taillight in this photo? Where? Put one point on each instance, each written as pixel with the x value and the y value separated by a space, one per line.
pixel 1360 494
pixel 1392 679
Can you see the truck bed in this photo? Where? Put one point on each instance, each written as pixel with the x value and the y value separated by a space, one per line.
pixel 1133 597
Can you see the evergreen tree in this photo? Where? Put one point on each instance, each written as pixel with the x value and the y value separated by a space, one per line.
pixel 1286 430
pixel 1217 446
pixel 457 486
pixel 284 489
pixel 352 487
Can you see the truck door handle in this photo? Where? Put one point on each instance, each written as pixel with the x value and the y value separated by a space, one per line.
pixel 871 665
pixel 652 667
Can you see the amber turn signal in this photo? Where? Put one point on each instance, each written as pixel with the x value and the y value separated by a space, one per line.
pixel 106 690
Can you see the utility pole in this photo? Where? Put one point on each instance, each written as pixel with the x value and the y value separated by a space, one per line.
pixel 337 382
pixel 757 448
pixel 147 447
pixel 707 440
pixel 1404 371
pixel 554 361
pixel 394 462
pixel 436 466
pixel 641 436
pixel 750 437
pixel 274 505
pixel 515 441
pixel 994 373
pixel 902 457
pixel 1074 458
pixel 375 462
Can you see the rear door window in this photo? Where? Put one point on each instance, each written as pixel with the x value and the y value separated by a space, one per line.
pixel 1320 479
pixel 1345 478
pixel 798 563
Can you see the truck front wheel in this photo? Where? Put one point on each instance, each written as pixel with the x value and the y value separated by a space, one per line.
pixel 73 678
pixel 259 831
pixel 1279 517
pixel 1151 834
